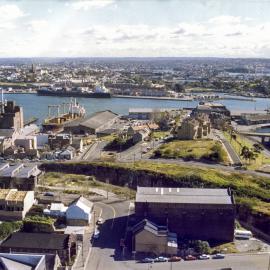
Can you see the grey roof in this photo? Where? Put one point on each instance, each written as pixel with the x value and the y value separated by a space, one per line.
pixel 19 170
pixel 98 119
pixel 183 195
pixel 22 240
pixel 151 110
pixel 150 227
pixel 6 132
pixel 11 261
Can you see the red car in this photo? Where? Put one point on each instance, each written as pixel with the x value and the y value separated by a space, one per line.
pixel 190 258
pixel 175 259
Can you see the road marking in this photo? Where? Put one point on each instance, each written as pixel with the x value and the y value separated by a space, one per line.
pixel 113 210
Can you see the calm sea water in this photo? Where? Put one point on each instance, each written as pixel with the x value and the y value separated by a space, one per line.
pixel 37 106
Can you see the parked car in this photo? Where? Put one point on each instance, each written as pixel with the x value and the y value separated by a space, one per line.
pixel 100 221
pixel 161 259
pixel 147 260
pixel 175 259
pixel 96 234
pixel 218 256
pixel 204 257
pixel 50 194
pixel 190 258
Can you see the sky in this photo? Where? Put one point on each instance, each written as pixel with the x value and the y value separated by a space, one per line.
pixel 135 28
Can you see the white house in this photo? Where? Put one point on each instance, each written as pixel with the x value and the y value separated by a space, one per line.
pixel 79 212
pixel 56 210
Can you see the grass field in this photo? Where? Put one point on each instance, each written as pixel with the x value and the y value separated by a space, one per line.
pixel 55 179
pixel 194 149
pixel 238 144
pixel 160 134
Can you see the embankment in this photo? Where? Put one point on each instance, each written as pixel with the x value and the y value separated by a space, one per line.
pixel 246 189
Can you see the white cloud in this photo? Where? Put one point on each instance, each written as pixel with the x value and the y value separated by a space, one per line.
pixel 37 26
pixel 10 12
pixel 8 15
pixel 218 36
pixel 225 20
pixel 90 4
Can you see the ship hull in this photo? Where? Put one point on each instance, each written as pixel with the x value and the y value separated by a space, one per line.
pixel 72 94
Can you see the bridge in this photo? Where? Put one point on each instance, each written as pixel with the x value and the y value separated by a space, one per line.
pixel 255 134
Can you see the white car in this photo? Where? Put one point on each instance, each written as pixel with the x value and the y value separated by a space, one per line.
pixel 204 257
pixel 100 221
pixel 218 256
pixel 96 234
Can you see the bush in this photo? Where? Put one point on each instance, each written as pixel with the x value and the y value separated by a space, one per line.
pixel 38 224
pixel 7 228
pixel 201 247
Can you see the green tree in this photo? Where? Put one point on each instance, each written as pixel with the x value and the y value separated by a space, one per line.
pixel 201 247
pixel 248 154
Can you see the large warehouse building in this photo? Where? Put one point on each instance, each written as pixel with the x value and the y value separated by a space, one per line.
pixel 192 213
pixel 94 124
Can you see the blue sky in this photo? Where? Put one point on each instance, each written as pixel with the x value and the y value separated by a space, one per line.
pixel 222 28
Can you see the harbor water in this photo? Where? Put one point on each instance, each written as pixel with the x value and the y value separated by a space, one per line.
pixel 37 106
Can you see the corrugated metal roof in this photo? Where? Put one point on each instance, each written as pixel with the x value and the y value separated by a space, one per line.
pixel 183 195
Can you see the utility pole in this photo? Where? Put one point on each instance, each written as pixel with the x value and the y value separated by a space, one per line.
pixel 107 187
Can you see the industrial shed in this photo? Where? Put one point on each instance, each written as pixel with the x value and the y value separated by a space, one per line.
pixel 192 213
pixel 94 124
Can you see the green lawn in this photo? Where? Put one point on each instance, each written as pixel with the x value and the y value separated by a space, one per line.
pixel 160 134
pixel 73 180
pixel 194 149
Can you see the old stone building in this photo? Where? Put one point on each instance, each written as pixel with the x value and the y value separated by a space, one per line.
pixel 193 128
pixel 149 237
pixel 192 213
pixel 11 116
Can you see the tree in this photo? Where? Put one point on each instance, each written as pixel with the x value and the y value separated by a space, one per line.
pixel 179 88
pixel 257 147
pixel 201 247
pixel 248 154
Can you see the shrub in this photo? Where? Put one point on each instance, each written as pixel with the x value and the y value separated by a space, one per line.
pixel 7 228
pixel 201 247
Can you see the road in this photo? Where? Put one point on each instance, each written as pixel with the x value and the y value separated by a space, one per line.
pixel 236 262
pixel 93 152
pixel 231 152
pixel 136 152
pixel 105 252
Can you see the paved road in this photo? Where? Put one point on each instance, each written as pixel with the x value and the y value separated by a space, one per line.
pixel 231 152
pixel 105 252
pixel 236 262
pixel 136 152
pixel 93 152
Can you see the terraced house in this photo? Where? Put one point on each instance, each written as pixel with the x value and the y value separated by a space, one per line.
pixel 15 204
